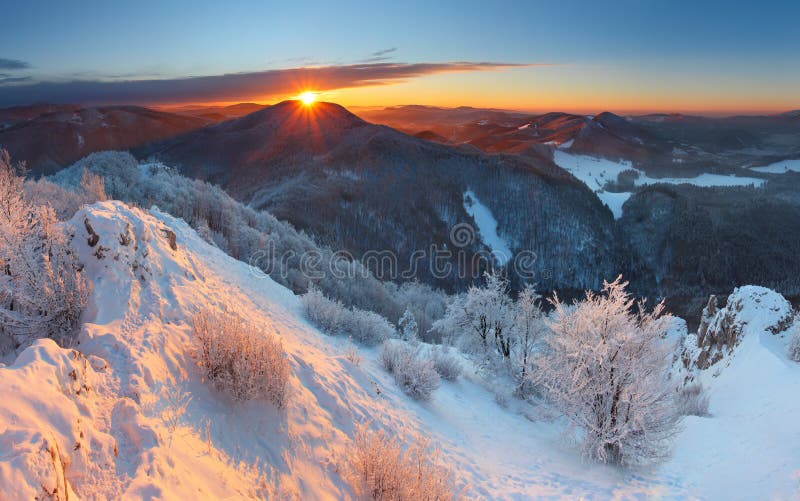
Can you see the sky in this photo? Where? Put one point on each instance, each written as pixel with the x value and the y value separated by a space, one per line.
pixel 580 56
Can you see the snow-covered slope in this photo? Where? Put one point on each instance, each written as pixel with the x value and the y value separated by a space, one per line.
pixel 97 417
pixel 111 426
pixel 750 446
pixel 487 227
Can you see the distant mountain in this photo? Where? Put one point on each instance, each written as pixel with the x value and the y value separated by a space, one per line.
pixel 361 187
pixel 219 113
pixel 663 145
pixel 48 137
pixel 496 131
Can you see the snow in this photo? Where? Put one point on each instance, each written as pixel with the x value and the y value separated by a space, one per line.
pixel 750 444
pixel 596 171
pixel 704 180
pixel 487 227
pixel 779 167
pixel 523 127
pixel 95 415
pixel 614 201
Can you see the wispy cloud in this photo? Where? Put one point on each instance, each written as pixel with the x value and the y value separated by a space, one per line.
pixel 383 52
pixel 380 55
pixel 236 86
pixel 8 79
pixel 13 64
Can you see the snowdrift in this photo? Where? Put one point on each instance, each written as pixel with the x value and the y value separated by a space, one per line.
pixel 95 421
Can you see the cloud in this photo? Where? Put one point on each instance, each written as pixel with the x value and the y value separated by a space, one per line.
pixel 236 86
pixel 13 64
pixel 380 55
pixel 7 79
pixel 383 52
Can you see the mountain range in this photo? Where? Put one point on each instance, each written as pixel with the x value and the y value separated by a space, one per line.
pixel 359 186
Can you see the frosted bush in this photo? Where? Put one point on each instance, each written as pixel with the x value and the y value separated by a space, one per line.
pixel 323 312
pixel 367 327
pixel 332 317
pixel 692 400
pixel 446 365
pixel 239 359
pixel 379 468
pixel 415 375
pixel 794 341
pixel 393 353
pixel 605 368
pixel 417 378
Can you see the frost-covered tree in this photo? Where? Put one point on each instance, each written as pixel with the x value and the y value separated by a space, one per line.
pixel 606 369
pixel 42 288
pixel 482 320
pixel 93 186
pixel 527 329
pixel 408 326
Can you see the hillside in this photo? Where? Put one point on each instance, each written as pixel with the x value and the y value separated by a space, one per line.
pixel 48 138
pixel 93 421
pixel 361 187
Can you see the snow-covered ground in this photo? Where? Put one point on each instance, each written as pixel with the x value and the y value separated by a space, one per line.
pixel 97 416
pixel 595 172
pixel 779 167
pixel 487 227
pixel 750 446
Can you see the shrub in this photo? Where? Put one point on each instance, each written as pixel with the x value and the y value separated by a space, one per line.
pixel 606 368
pixel 416 376
pixel 367 327
pixel 446 365
pixel 43 290
pixel 794 341
pixel 379 468
pixel 332 317
pixel 323 312
pixel 239 359
pixel 351 354
pixel 692 400
pixel 393 353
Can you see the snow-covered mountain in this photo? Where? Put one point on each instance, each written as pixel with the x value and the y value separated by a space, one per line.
pixel 125 413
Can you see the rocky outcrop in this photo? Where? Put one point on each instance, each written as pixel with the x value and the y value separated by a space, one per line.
pixel 749 308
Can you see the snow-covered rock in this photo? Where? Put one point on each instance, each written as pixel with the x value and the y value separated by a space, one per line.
pixel 757 308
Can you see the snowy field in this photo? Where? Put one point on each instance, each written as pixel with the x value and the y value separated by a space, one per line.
pixel 105 412
pixel 595 172
pixel 781 167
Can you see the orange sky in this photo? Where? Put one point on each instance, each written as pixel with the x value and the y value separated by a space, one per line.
pixel 560 88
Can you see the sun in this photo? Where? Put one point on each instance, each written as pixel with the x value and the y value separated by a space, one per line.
pixel 308 97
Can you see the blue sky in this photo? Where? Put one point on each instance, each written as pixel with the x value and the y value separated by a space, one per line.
pixel 678 55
